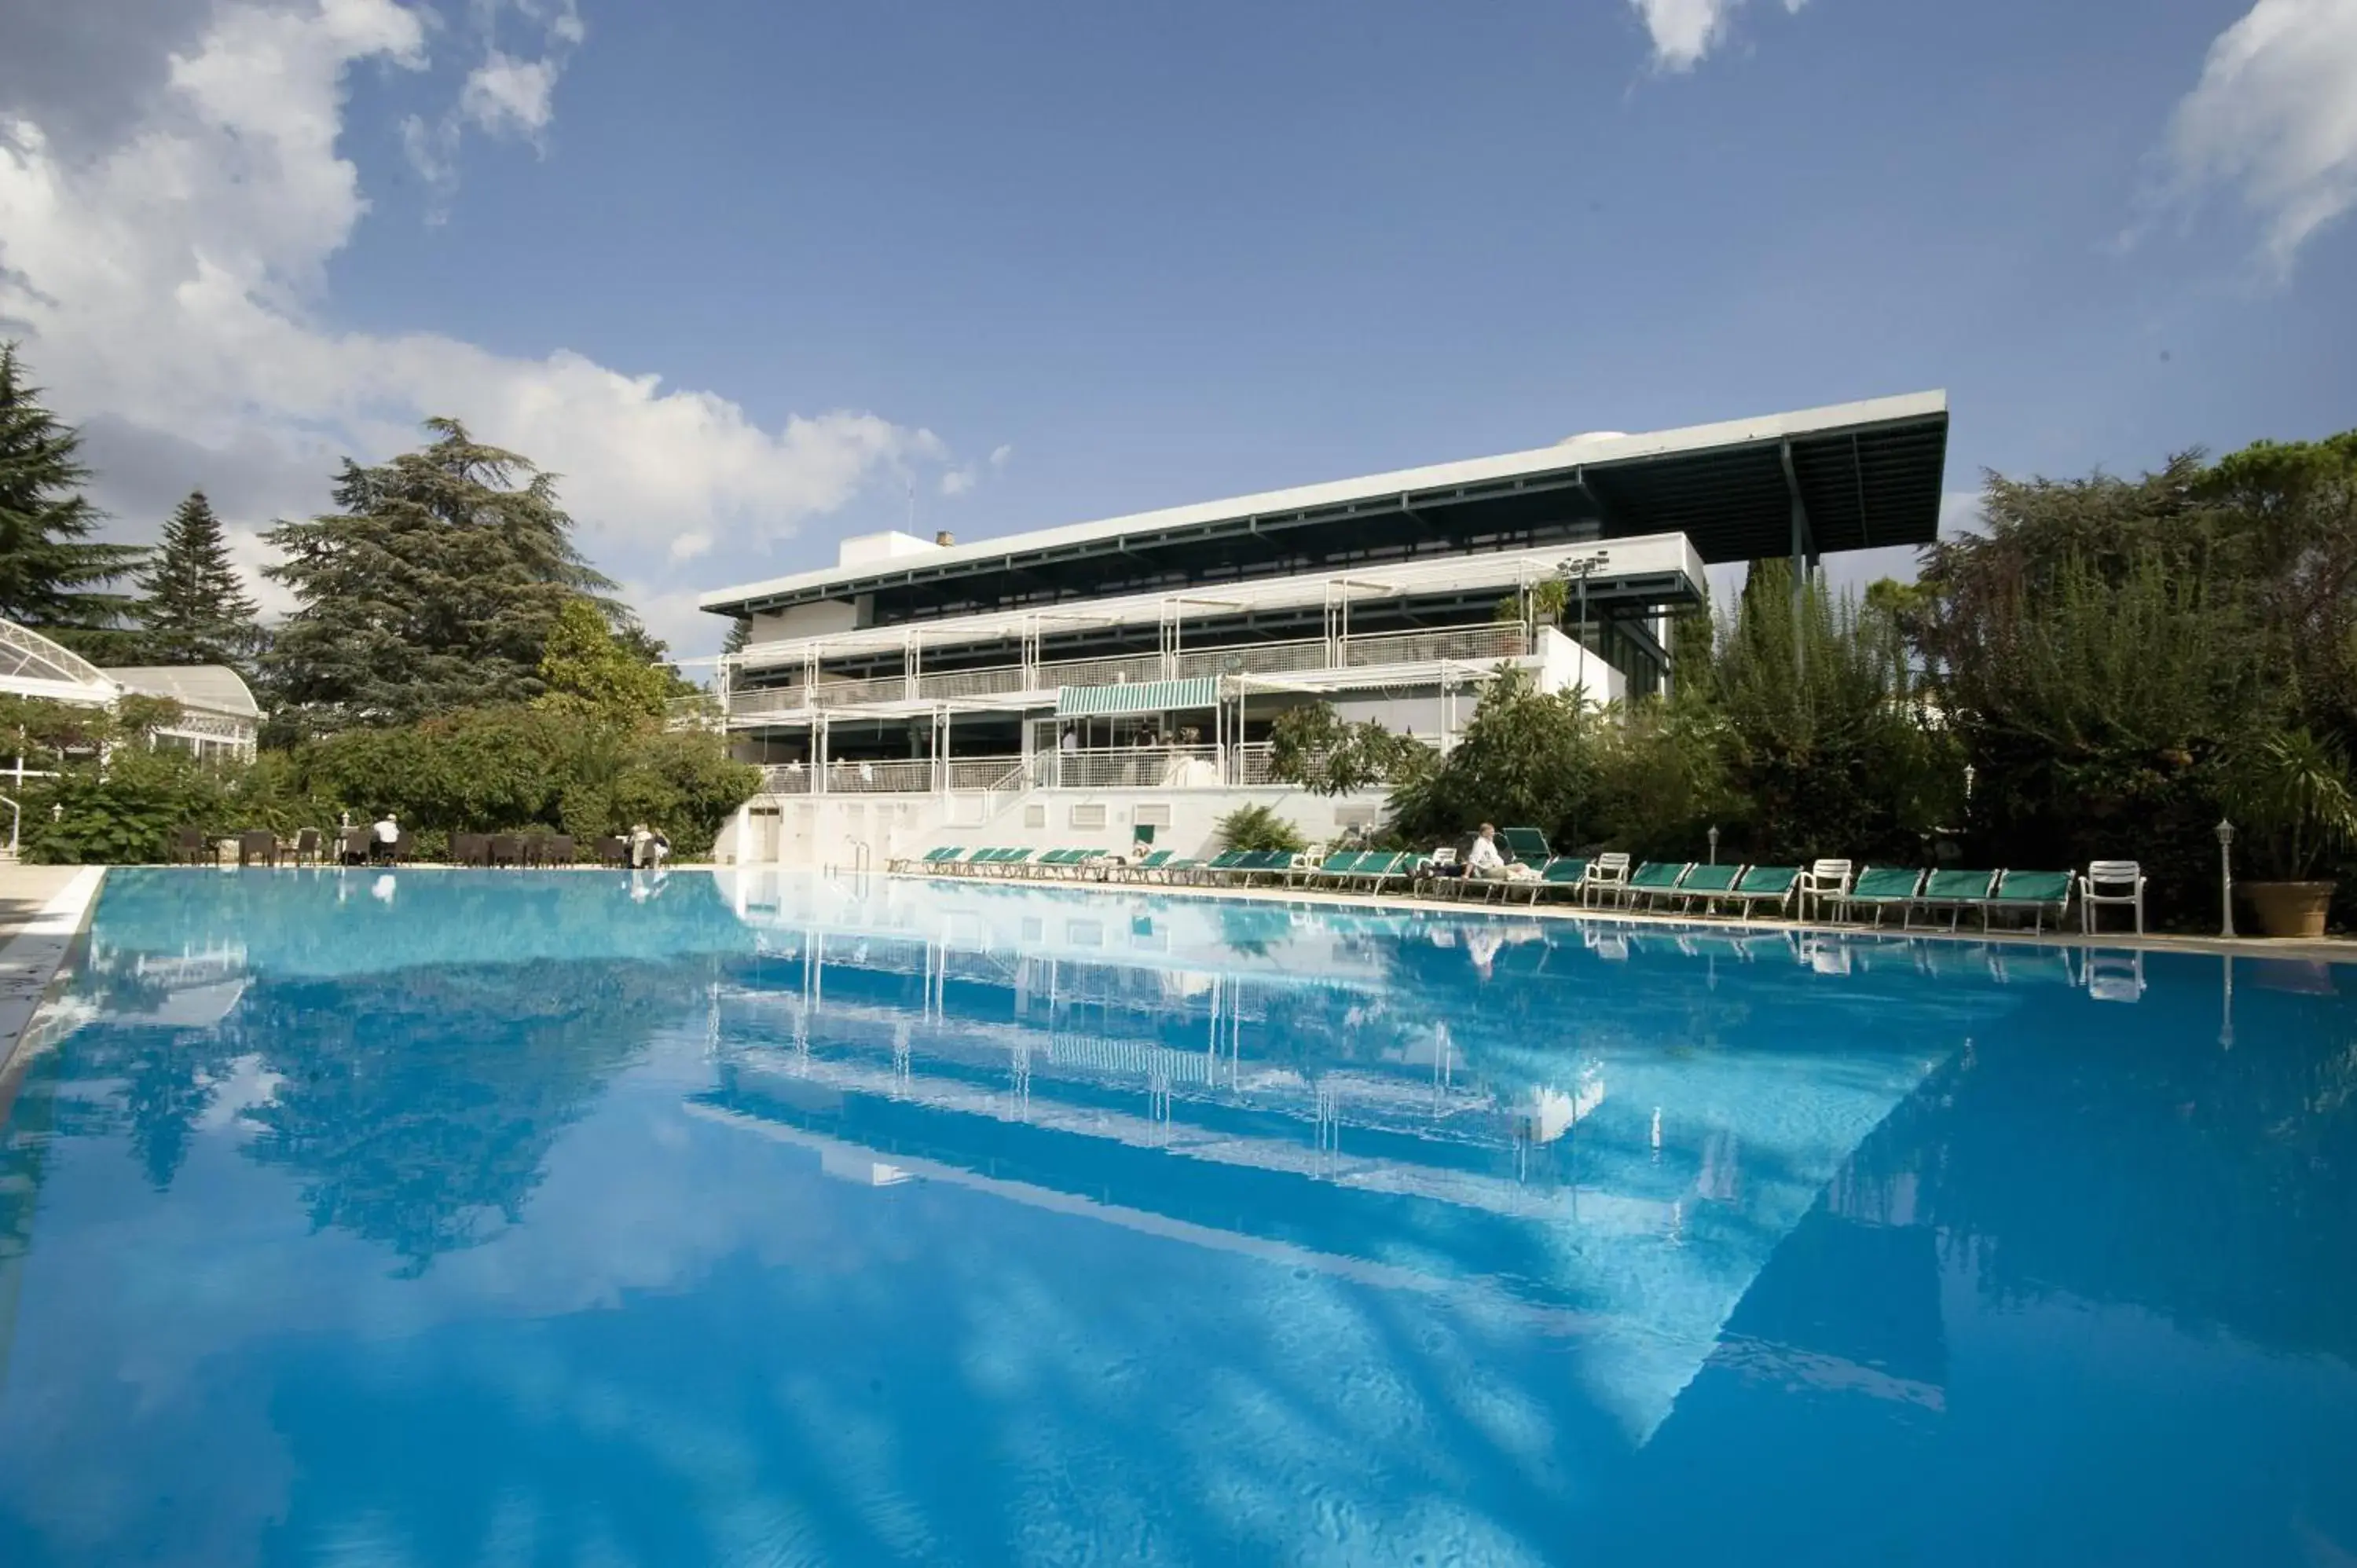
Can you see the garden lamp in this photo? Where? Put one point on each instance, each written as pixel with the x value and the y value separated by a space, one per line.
pixel 2225 877
pixel 1714 846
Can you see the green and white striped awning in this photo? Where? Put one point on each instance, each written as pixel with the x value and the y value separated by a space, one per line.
pixel 1136 697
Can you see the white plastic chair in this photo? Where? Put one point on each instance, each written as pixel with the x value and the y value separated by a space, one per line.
pixel 1826 882
pixel 2119 881
pixel 2115 976
pixel 1608 875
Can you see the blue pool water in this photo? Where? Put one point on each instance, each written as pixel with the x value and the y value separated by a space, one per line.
pixel 454 1218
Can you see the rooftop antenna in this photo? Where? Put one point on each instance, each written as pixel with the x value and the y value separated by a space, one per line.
pixel 912 480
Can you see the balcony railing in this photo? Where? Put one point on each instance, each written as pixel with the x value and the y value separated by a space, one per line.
pixel 1504 641
pixel 1469 644
pixel 987 683
pixel 1128 768
pixel 1098 768
pixel 1253 658
pixel 1100 672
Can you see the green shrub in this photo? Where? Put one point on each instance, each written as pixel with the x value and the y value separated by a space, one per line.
pixel 1259 828
pixel 125 814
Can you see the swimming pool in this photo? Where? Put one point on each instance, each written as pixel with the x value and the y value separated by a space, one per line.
pixel 475 1217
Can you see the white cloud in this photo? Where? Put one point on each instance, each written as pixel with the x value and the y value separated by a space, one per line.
pixel 1685 30
pixel 2275 115
pixel 507 93
pixel 169 284
pixel 250 554
pixel 957 481
pixel 1000 455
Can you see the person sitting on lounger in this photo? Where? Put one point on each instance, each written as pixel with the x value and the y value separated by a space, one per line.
pixel 384 837
pixel 1483 859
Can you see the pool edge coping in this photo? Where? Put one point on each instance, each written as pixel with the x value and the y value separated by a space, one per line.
pixel 41 949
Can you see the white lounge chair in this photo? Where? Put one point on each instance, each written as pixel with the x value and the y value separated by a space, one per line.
pixel 2117 882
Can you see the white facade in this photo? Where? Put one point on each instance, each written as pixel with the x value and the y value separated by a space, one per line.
pixel 1072 686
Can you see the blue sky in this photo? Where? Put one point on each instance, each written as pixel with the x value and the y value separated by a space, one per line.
pixel 1037 264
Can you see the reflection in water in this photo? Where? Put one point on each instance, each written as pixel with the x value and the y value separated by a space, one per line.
pixel 780 1219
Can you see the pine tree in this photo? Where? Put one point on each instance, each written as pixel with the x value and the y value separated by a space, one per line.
pixel 192 602
pixel 741 633
pixel 52 576
pixel 434 587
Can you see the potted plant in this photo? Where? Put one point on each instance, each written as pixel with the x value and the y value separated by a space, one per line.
pixel 2290 793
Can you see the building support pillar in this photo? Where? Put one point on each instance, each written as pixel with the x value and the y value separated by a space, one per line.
pixel 1804 560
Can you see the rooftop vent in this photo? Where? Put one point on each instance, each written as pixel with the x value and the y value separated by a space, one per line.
pixel 945 538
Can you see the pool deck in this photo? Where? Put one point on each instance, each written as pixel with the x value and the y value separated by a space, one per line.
pixel 2328 950
pixel 43 909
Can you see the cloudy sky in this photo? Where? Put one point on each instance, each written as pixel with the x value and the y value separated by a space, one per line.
pixel 753 274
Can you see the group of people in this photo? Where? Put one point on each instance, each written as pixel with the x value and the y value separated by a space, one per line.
pixel 646 848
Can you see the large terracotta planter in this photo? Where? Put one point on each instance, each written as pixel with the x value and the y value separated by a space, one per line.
pixel 2288 908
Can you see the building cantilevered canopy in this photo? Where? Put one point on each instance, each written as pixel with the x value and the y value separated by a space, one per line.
pixel 1851 476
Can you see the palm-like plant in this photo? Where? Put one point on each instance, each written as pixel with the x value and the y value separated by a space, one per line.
pixel 2291 792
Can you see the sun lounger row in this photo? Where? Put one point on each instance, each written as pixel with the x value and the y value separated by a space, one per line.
pixel 1876 890
pixel 1825 890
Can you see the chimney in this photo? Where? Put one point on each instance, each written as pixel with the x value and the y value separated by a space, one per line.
pixel 945 538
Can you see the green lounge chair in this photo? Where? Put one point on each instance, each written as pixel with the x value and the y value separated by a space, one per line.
pixel 1655 881
pixel 1014 863
pixel 1764 884
pixel 1150 867
pixel 2034 893
pixel 1708 884
pixel 1221 867
pixel 1956 891
pixel 1564 872
pixel 1880 887
pixel 1378 866
pixel 1335 866
pixel 1526 844
pixel 1269 863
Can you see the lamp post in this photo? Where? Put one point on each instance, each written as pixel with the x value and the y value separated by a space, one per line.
pixel 1714 846
pixel 2225 877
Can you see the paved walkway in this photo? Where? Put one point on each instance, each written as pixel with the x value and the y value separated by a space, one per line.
pixel 24 889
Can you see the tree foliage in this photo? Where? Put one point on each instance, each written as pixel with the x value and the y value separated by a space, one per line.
pixel 586 669
pixel 1528 757
pixel 2102 649
pixel 193 607
pixel 433 587
pixel 482 769
pixel 1314 747
pixel 53 575
pixel 1828 750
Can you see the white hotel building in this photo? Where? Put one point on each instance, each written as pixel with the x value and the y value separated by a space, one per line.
pixel 1072 686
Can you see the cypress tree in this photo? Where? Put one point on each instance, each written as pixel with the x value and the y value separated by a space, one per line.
pixel 53 576
pixel 433 587
pixel 192 604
